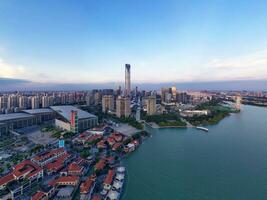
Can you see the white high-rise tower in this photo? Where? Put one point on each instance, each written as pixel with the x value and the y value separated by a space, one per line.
pixel 127 79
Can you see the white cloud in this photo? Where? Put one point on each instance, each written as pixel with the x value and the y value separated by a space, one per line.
pixel 8 70
pixel 250 66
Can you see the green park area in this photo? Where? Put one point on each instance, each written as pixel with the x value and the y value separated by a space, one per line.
pixel 218 111
pixel 166 120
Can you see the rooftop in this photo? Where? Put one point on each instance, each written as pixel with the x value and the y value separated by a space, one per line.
pixel 65 111
pixel 38 111
pixel 12 116
pixel 38 195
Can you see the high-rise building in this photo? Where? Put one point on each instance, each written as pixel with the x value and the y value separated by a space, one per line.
pixel 107 103
pixel 12 101
pixel 127 79
pixel 35 102
pixel 183 98
pixel 173 89
pixel 45 102
pixel 150 103
pixel 123 107
pixel 89 99
pixel 23 102
pixel 3 102
pixel 51 100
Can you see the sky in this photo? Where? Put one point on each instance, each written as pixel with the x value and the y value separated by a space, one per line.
pixel 165 41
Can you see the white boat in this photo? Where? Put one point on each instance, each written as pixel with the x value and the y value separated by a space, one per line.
pixel 202 128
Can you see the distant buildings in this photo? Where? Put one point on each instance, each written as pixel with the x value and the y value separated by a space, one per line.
pixel 123 107
pixel 238 103
pixel 107 103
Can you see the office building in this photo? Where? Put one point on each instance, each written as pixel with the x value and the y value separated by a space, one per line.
pixel 123 107
pixel 107 103
pixel 151 107
pixel 127 79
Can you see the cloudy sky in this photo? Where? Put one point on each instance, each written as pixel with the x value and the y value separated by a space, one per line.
pixel 89 41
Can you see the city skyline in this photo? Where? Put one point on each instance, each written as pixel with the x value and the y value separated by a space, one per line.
pixel 175 42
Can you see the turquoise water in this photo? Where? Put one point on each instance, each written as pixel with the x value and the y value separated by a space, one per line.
pixel 229 162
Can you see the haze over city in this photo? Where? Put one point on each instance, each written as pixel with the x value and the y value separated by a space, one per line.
pixel 70 45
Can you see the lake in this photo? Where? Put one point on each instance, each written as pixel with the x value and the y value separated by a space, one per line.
pixel 228 162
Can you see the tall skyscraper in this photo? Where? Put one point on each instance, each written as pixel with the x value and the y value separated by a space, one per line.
pixel 127 79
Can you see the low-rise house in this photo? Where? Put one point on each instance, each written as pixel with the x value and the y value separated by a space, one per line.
pixel 116 146
pixel 64 181
pixel 100 165
pixel 75 170
pixel 49 156
pixel 57 165
pixel 107 184
pixel 39 195
pixel 24 176
pixel 87 187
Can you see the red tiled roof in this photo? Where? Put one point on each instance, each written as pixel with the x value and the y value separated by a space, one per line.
pixel 27 168
pixel 96 197
pixel 49 154
pixel 85 186
pixel 38 195
pixel 117 137
pixel 6 179
pixel 74 167
pixel 100 164
pixel 109 178
pixel 64 179
pixel 58 164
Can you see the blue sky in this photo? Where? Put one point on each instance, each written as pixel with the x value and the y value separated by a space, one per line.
pixel 86 41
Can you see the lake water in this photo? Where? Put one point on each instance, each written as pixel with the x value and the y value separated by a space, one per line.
pixel 227 163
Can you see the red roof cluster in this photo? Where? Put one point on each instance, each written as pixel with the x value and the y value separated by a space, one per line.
pixel 24 169
pixel 58 164
pixel 49 154
pixel 93 138
pixel 117 137
pixel 86 186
